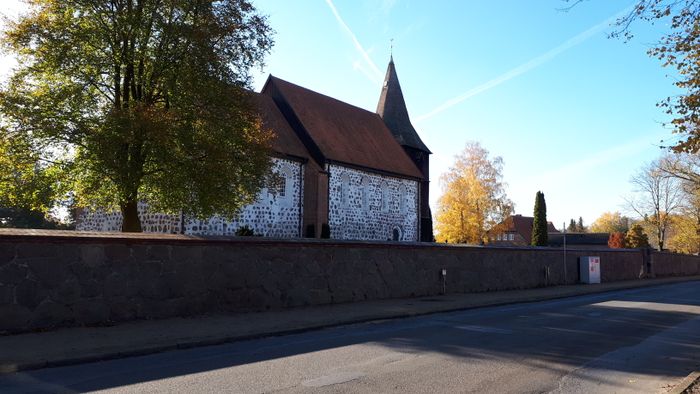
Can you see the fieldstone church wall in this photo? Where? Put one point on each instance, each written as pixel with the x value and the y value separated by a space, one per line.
pixel 369 206
pixel 276 212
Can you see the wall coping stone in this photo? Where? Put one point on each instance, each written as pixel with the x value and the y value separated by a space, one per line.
pixel 90 237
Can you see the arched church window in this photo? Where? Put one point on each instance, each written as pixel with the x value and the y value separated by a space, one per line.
pixel 396 234
pixel 287 184
pixel 386 195
pixel 402 199
pixel 364 184
pixel 345 190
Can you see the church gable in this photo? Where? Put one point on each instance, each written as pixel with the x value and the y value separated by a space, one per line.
pixel 334 131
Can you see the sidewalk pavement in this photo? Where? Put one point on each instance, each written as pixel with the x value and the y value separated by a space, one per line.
pixel 86 344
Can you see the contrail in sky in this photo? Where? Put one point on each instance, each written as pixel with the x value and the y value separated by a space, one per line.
pixel 525 67
pixel 376 74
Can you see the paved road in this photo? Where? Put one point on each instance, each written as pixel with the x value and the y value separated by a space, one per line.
pixel 634 341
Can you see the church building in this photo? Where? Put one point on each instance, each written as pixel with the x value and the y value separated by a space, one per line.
pixel 344 173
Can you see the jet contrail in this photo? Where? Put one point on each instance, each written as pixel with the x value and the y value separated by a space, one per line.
pixel 525 67
pixel 377 75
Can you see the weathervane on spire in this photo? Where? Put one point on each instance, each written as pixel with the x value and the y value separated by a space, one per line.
pixel 391 49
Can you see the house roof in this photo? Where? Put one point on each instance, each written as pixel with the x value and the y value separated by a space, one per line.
pixel 573 239
pixel 336 131
pixel 523 226
pixel 285 141
pixel 392 109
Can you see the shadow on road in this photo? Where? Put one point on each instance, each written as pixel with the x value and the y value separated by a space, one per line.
pixel 559 335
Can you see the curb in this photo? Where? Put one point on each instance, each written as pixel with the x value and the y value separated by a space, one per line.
pixel 686 383
pixel 212 341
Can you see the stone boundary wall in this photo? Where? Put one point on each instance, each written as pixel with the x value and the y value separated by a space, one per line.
pixel 51 279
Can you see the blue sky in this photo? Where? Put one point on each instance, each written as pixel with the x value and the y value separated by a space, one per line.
pixel 571 112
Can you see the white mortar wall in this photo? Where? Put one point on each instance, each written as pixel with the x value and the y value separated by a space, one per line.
pixel 275 213
pixel 372 208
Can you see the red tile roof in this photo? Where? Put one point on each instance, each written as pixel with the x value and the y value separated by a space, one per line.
pixel 340 132
pixel 285 141
pixel 523 226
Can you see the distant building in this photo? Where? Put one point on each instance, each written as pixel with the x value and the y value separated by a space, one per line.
pixel 362 175
pixel 580 240
pixel 516 230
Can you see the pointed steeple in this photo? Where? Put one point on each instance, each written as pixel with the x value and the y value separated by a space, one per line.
pixel 392 109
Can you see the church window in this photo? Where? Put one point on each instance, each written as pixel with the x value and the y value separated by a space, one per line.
pixel 402 199
pixel 285 190
pixel 385 197
pixel 396 234
pixel 365 193
pixel 345 190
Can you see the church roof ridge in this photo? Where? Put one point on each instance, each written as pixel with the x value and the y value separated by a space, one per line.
pixel 336 131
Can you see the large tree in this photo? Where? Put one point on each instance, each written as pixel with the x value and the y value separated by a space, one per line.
pixel 610 222
pixel 657 197
pixel 474 199
pixel 636 237
pixel 118 101
pixel 539 223
pixel 686 225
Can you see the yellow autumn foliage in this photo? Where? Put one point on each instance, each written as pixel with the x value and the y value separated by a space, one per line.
pixel 474 199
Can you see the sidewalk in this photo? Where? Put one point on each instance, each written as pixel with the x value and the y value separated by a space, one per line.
pixel 78 345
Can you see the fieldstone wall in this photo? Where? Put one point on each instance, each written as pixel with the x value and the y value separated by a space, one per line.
pixel 276 212
pixel 369 206
pixel 55 279
pixel 671 264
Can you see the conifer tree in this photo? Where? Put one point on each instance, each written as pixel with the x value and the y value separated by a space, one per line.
pixel 636 237
pixel 539 224
pixel 579 226
pixel 572 226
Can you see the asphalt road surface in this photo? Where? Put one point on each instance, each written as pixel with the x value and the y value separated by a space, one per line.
pixel 635 341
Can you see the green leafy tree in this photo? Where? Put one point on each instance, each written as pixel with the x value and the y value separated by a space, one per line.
pixel 539 224
pixel 636 238
pixel 27 218
pixel 127 100
pixel 572 226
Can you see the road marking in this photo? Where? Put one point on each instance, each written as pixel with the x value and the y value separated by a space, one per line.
pixel 337 378
pixel 492 330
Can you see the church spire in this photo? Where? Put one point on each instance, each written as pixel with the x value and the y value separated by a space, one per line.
pixel 392 109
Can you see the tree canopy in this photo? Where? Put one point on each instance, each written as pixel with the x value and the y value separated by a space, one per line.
pixel 610 222
pixel 119 101
pixel 616 240
pixel 636 237
pixel 657 197
pixel 679 48
pixel 474 199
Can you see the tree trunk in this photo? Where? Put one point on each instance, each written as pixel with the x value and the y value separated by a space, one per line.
pixel 130 213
